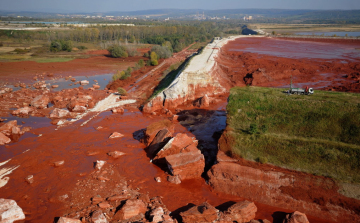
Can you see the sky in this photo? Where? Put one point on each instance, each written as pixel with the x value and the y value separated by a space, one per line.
pixel 134 5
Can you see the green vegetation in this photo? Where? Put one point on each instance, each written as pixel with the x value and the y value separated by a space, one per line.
pixel 121 91
pixel 118 51
pixel 319 134
pixel 154 59
pixel 61 45
pixel 162 52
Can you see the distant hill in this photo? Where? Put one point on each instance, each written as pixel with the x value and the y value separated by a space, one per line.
pixel 258 15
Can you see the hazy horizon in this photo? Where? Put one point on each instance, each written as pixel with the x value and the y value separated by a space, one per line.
pixel 89 6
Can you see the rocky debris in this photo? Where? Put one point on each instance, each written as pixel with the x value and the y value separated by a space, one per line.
pixel 179 153
pixel 80 103
pixel 6 129
pixel 158 179
pixel 84 82
pixel 59 113
pixel 296 217
pixel 99 164
pixel 40 101
pixel 68 220
pixel 115 135
pixel 10 211
pixel 116 154
pixel 59 163
pixel 174 179
pixel 40 85
pixel 130 209
pixel 243 211
pixel 29 179
pixel 98 217
pixel 4 139
pixel 186 165
pixel 25 111
pixel 202 213
pixel 5 90
pixel 118 110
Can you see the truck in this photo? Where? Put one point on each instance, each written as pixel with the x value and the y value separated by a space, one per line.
pixel 300 91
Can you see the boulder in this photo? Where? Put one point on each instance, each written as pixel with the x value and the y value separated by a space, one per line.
pixel 78 108
pixel 55 86
pixel 174 179
pixel 181 143
pixel 15 130
pixel 153 129
pixel 4 139
pixel 118 110
pixel 161 138
pixel 84 82
pixel 59 163
pixel 10 211
pixel 243 211
pixel 130 209
pixel 59 113
pixel 40 101
pixel 202 213
pixel 29 179
pixel 156 215
pixel 25 111
pixel 187 165
pixel 115 135
pixel 96 86
pixel 99 164
pixel 296 217
pixel 68 220
pixel 116 154
pixel 204 101
pixel 6 129
pixel 98 217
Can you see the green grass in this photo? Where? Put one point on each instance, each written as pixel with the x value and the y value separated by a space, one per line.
pixel 318 134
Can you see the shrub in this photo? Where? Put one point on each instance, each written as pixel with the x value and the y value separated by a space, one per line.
pixel 262 160
pixel 131 51
pixel 66 45
pixel 162 52
pixel 153 59
pixel 118 51
pixel 141 63
pixel 1 44
pixel 121 91
pixel 82 47
pixel 55 46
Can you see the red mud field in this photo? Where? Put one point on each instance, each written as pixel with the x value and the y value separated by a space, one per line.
pixel 270 62
pixel 68 189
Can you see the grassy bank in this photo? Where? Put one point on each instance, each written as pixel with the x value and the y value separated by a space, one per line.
pixel 319 134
